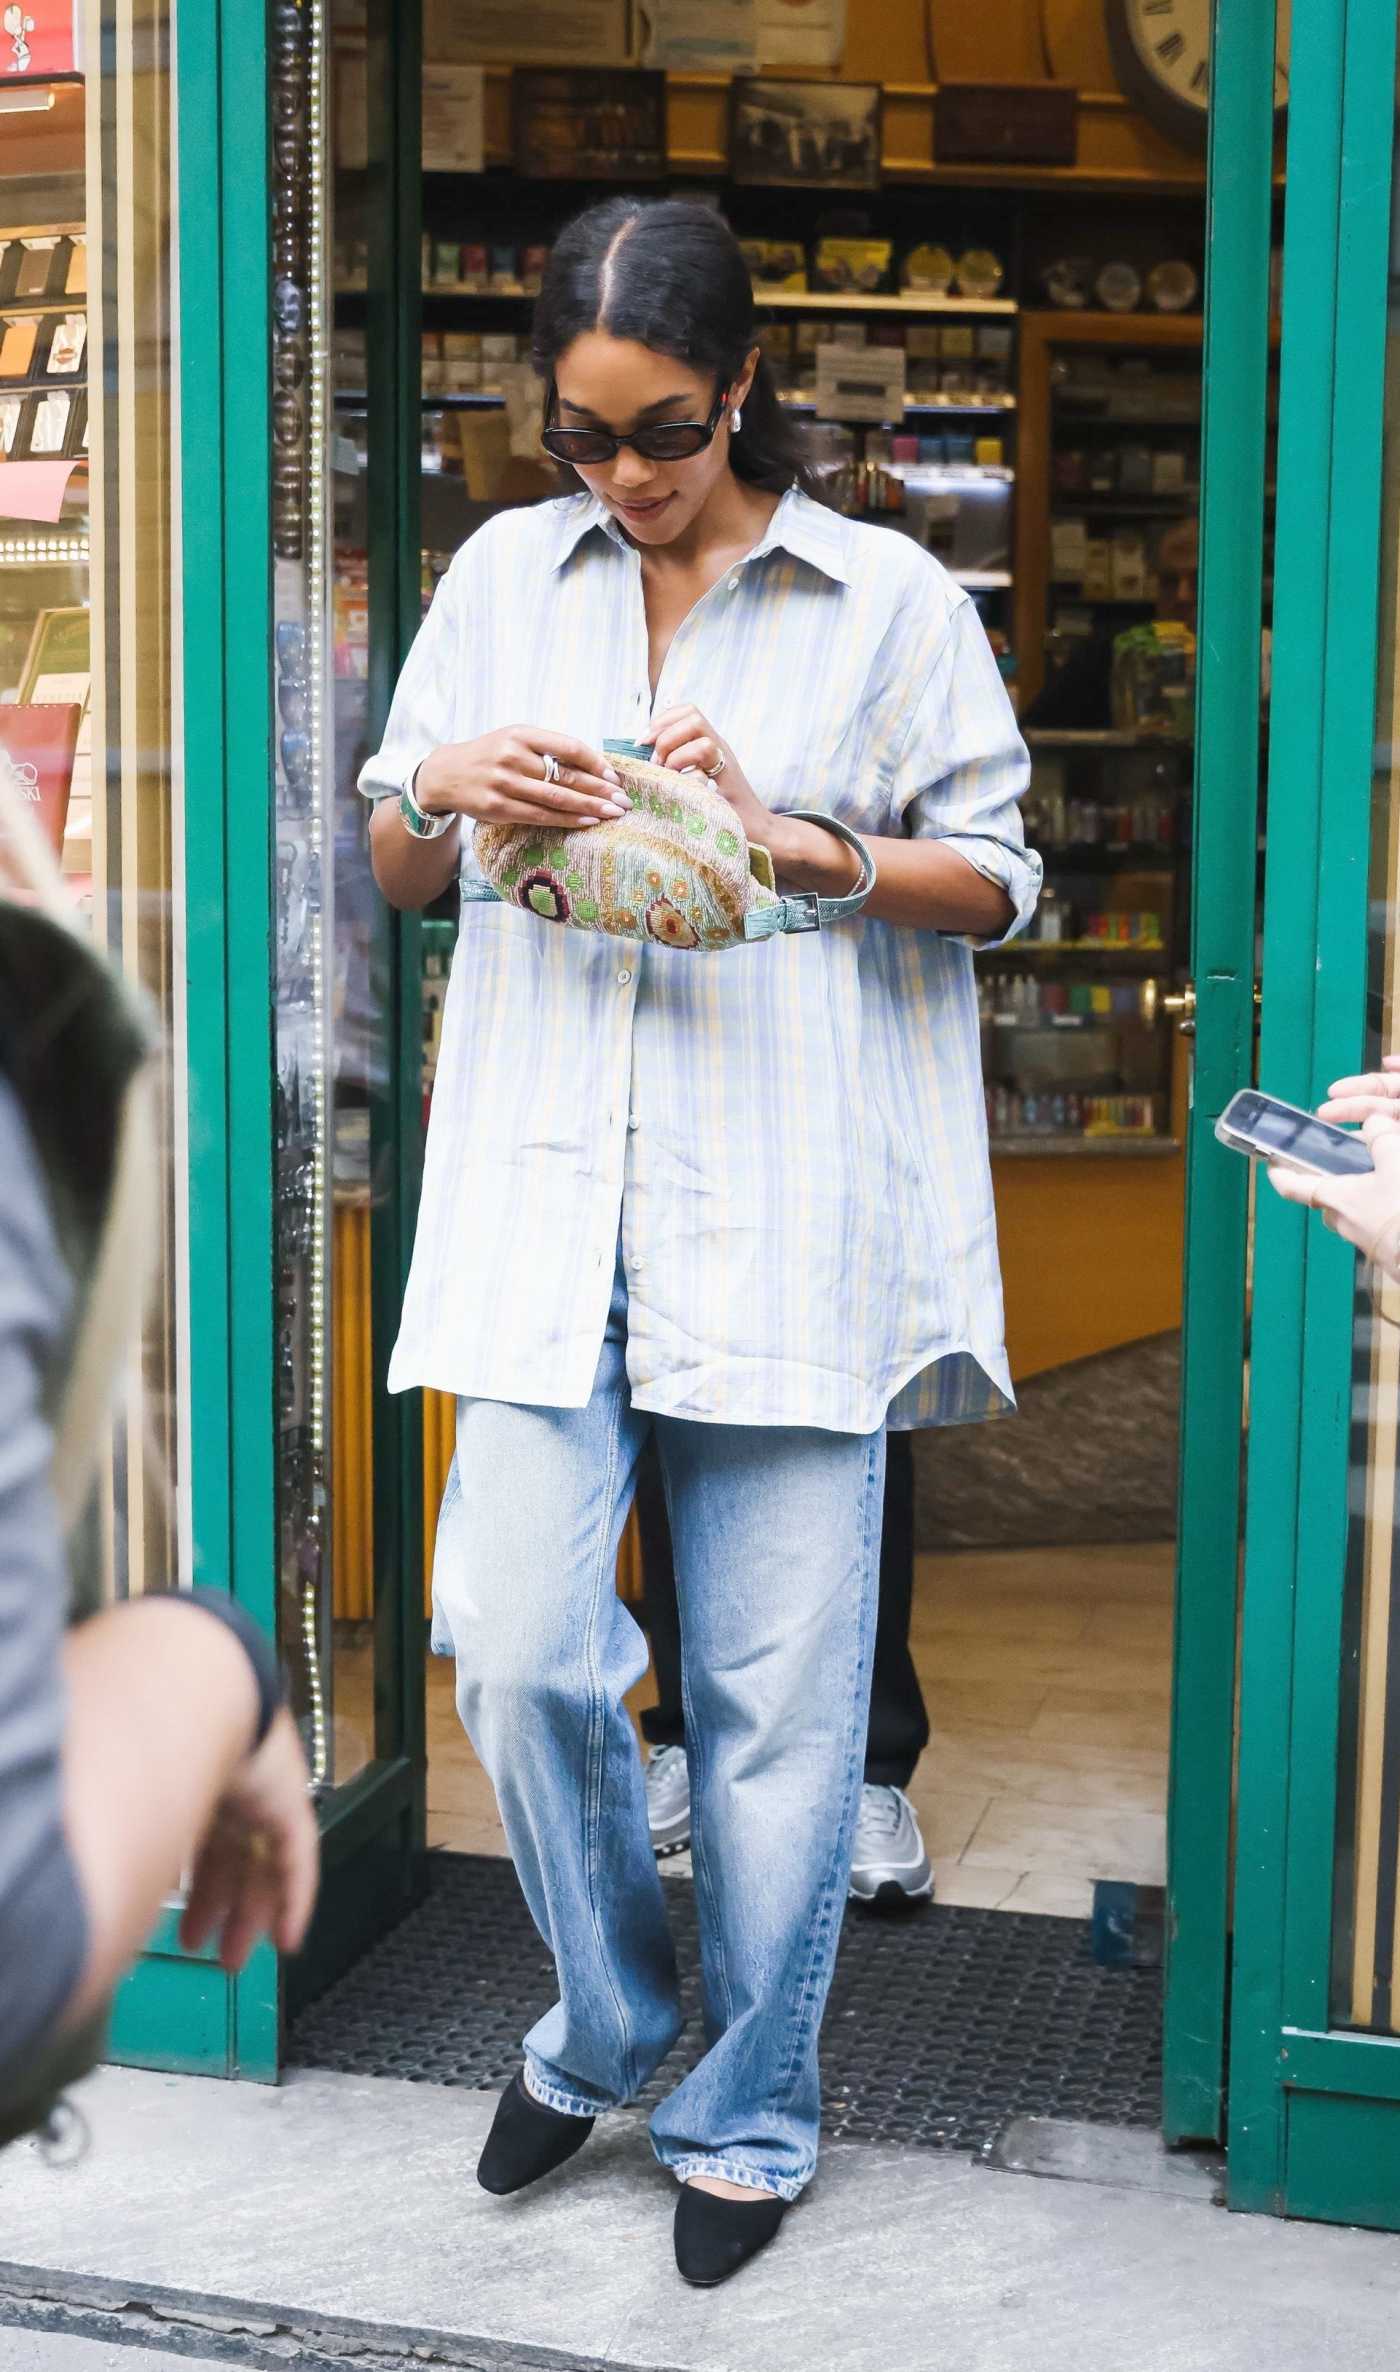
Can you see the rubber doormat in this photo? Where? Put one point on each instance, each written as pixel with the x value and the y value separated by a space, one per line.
pixel 942 2024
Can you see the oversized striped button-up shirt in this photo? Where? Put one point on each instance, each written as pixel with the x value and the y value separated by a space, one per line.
pixel 788 1139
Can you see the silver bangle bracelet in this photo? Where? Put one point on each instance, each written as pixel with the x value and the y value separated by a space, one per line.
pixel 416 819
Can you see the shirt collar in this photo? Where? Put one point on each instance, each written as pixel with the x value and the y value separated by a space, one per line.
pixel 806 529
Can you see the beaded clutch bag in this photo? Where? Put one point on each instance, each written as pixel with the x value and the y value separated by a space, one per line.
pixel 676 871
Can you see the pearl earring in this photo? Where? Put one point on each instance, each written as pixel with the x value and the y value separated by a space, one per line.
pixel 736 420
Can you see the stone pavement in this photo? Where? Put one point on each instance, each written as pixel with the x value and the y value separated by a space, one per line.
pixel 339 2214
pixel 48 2351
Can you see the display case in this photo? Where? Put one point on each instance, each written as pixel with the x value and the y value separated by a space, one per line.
pixel 89 629
pixel 1076 1027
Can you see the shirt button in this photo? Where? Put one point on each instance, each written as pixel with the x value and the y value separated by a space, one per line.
pixel 624 979
pixel 632 1121
pixel 734 584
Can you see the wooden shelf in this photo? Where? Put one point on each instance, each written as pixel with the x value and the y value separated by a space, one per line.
pixel 1059 1147
pixel 766 300
pixel 1139 949
pixel 14 307
pixel 1126 506
pixel 830 300
pixel 1103 600
pixel 1093 737
pixel 984 407
pixel 949 477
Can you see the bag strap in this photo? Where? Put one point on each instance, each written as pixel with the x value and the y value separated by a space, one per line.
pixel 805 911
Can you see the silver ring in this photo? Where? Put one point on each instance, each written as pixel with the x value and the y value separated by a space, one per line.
pixel 551 767
pixel 718 767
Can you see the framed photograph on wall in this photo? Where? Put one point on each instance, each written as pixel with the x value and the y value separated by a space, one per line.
pixel 584 125
pixel 58 663
pixel 811 135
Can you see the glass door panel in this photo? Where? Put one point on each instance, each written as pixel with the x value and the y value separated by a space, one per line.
pixel 332 1026
pixel 1367 1901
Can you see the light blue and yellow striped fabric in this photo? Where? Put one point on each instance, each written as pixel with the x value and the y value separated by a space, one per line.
pixel 790 1136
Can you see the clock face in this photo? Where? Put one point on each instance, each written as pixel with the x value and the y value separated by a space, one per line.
pixel 1163 51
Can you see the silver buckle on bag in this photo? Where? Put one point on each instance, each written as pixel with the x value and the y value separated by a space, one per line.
pixel 804 912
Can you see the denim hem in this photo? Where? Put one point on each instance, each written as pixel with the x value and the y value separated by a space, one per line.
pixel 564 2104
pixel 729 2170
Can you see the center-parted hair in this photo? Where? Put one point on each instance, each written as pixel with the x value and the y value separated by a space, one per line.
pixel 668 273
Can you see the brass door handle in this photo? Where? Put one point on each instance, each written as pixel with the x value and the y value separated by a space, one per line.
pixel 1183 1001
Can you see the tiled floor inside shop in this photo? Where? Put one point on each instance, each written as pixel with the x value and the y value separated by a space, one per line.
pixel 1047 1674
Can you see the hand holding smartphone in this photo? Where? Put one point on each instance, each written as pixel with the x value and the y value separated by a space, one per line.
pixel 1267 1129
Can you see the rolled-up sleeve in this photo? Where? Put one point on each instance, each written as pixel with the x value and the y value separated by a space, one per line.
pixel 963 769
pixel 421 717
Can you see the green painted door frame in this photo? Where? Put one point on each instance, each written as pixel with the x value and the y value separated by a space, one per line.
pixel 177 2010
pixel 1314 2125
pixel 1233 457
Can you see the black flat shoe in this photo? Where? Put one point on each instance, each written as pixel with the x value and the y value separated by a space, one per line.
pixel 526 2140
pixel 714 2237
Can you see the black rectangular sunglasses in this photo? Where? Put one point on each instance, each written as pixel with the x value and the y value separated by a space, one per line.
pixel 667 440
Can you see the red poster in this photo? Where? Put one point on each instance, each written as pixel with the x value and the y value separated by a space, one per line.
pixel 37 37
pixel 40 738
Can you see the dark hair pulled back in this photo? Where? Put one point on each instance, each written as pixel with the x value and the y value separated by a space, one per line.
pixel 667 273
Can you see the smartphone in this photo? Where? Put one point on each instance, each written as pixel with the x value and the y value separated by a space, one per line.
pixel 1272 1131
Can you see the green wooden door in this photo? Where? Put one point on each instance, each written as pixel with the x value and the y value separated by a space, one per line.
pixel 1314 2104
pixel 255 313
pixel 1233 457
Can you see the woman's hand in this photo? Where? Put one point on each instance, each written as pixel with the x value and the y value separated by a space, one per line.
pixel 503 779
pixel 802 854
pixel 687 742
pixel 255 1870
pixel 1364 1210
pixel 1370 1095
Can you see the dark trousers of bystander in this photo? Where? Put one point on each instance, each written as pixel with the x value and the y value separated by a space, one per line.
pixel 898 1731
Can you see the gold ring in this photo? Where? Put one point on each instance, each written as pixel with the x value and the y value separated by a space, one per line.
pixel 717 768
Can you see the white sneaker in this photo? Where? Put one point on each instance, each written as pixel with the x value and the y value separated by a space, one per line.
pixel 889 1867
pixel 667 1777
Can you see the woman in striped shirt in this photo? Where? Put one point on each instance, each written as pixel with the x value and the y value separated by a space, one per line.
pixel 739 1200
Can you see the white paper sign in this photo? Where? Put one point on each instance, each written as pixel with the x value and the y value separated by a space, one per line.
pixel 860 383
pixel 801 32
pixel 700 36
pixel 454 119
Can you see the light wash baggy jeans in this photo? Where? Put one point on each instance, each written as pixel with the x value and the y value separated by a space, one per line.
pixel 777 1542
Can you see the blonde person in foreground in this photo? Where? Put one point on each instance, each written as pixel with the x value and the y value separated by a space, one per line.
pixel 142 1739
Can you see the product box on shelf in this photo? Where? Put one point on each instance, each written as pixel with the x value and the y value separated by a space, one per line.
pixel 1128 566
pixel 1098 568
pixel 775 263
pixel 861 265
pixel 461 360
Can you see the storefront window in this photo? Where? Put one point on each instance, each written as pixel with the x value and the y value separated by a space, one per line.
pixel 88 623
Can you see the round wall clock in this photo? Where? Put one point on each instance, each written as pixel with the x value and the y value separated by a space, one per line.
pixel 1161 55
